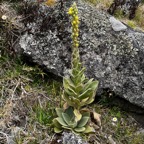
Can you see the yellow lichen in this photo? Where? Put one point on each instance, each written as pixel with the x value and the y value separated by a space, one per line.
pixel 50 2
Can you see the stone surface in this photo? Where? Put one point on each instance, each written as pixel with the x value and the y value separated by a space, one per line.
pixel 117 25
pixel 71 138
pixel 116 59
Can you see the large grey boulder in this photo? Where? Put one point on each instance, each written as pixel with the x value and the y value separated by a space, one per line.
pixel 115 58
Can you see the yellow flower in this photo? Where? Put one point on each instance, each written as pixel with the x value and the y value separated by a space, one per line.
pixel 76 44
pixel 76 18
pixel 74 22
pixel 74 15
pixel 73 11
pixel 76 34
pixel 70 11
pixel 77 22
pixel 75 30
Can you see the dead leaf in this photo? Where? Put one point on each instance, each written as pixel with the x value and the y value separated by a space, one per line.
pixel 85 110
pixel 97 119
pixel 111 141
pixel 77 114
pixel 65 106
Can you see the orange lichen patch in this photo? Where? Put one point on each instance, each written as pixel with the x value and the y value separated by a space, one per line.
pixel 50 2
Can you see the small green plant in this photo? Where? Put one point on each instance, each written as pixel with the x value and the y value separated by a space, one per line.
pixel 44 116
pixel 78 90
pixel 67 120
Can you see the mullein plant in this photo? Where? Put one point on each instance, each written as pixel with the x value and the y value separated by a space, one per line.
pixel 78 90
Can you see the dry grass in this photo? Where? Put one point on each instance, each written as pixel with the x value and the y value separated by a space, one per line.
pixel 24 93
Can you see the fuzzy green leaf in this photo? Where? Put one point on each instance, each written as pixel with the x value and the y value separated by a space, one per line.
pixel 81 72
pixel 79 88
pixel 57 130
pixel 56 123
pixel 69 128
pixel 80 129
pixel 88 83
pixel 67 99
pixel 70 91
pixel 77 114
pixel 61 121
pixel 90 100
pixel 89 129
pixel 70 113
pixel 85 100
pixel 59 111
pixel 86 114
pixel 66 118
pixel 85 94
pixel 83 78
pixel 83 121
pixel 71 100
pixel 74 72
pixel 76 101
pixel 78 76
pixel 68 83
pixel 93 85
pixel 73 124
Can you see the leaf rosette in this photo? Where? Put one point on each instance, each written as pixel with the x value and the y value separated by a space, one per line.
pixel 67 120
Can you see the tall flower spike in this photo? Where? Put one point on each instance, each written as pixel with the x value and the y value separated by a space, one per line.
pixel 73 12
pixel 78 90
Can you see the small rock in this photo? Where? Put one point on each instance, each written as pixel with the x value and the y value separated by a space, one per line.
pixel 71 138
pixel 141 131
pixel 116 24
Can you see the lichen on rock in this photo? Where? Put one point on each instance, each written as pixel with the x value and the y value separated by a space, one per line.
pixel 113 58
pixel 71 138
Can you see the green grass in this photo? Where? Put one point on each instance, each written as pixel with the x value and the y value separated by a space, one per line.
pixel 131 23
